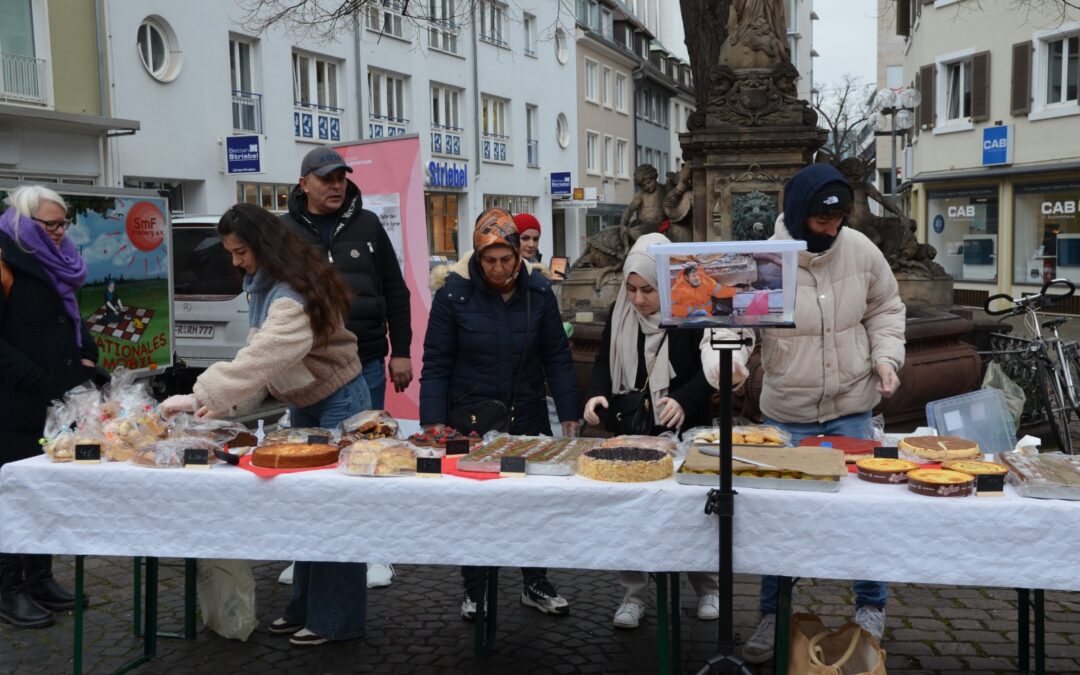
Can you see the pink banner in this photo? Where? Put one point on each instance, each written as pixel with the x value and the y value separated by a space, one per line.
pixel 389 176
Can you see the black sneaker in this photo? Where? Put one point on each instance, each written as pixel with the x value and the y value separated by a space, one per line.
pixel 543 596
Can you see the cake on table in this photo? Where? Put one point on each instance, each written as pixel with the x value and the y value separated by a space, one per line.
pixel 294 455
pixel 940 483
pixel 940 448
pixel 425 439
pixel 976 468
pixel 854 449
pixel 625 464
pixel 884 470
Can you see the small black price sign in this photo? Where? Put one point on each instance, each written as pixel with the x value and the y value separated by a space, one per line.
pixel 512 467
pixel 988 485
pixel 429 467
pixel 318 440
pixel 89 453
pixel 889 452
pixel 196 458
pixel 458 446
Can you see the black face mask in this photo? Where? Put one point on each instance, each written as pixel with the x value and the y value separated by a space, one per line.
pixel 819 243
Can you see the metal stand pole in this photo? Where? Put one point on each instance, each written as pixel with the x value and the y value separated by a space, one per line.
pixel 722 503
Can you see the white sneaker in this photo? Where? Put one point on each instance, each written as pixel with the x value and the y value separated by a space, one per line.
pixel 872 619
pixel 708 607
pixel 379 575
pixel 759 648
pixel 628 615
pixel 286 574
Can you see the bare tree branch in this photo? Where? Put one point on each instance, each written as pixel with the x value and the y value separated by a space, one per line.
pixel 844 110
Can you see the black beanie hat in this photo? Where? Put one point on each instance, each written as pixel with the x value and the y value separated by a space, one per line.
pixel 834 198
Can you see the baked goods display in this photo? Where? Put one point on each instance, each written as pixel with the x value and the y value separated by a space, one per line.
pixel 169 454
pixel 662 443
pixel 854 449
pixel 294 455
pixel 884 470
pixel 223 432
pixel 811 468
pixel 124 436
pixel 741 435
pixel 940 483
pixel 544 455
pixel 1050 475
pixel 438 440
pixel 625 464
pixel 378 457
pixel 939 448
pixel 368 425
pixel 296 435
pixel 976 468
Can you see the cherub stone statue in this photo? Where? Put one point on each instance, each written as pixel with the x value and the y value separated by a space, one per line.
pixel 647 204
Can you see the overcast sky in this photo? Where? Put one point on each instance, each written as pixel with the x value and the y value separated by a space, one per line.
pixel 846 38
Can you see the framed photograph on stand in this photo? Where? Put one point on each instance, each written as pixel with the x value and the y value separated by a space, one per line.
pixel 558 268
pixel 739 284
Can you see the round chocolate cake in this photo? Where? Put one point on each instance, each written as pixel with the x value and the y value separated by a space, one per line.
pixel 625 464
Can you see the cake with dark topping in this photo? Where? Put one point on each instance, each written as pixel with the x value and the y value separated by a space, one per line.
pixel 625 464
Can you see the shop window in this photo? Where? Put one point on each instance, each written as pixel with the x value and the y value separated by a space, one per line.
pixel 442 213
pixel 964 230
pixel 271 196
pixel 1046 234
pixel 512 203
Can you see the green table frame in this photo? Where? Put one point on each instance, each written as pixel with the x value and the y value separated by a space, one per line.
pixel 1029 601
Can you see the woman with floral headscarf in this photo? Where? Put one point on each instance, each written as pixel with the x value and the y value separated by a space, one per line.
pixel 495 336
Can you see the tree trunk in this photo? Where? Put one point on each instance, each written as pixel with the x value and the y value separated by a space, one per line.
pixel 705 28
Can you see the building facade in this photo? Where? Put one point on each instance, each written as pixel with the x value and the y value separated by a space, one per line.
pixel 890 75
pixel 55 121
pixel 993 167
pixel 800 31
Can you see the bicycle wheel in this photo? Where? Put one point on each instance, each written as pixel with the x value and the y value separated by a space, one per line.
pixel 1071 364
pixel 1055 406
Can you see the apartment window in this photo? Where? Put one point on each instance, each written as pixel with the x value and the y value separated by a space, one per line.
pixel 495 145
pixel 442 31
pixel 492 15
pixel 562 51
pixel 894 77
pixel 512 203
pixel 532 141
pixel 592 152
pixel 957 92
pixel 159 49
pixel 607 23
pixel 386 99
pixel 246 103
pixel 609 156
pixel 529 23
pixel 620 92
pixel 621 169
pixel 445 106
pixel 588 14
pixel 384 16
pixel 1062 59
pixel 605 87
pixel 314 81
pixel 591 77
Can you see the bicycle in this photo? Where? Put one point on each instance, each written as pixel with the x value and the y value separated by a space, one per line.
pixel 1048 369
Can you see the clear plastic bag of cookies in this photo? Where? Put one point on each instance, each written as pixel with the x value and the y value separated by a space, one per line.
pixel 378 457
pixel 169 454
pixel 759 434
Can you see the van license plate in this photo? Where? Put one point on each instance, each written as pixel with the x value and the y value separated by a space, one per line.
pixel 186 329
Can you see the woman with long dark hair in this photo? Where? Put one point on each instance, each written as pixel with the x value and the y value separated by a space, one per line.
pixel 299 349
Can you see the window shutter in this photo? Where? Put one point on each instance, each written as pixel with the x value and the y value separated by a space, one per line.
pixel 980 86
pixel 927 111
pixel 1020 99
pixel 903 25
pixel 917 84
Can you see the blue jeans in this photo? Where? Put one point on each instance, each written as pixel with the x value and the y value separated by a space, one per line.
pixel 330 598
pixel 374 373
pixel 867 593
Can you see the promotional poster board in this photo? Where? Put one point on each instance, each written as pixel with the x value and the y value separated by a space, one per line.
pixel 127 299
pixel 391 180
pixel 727 284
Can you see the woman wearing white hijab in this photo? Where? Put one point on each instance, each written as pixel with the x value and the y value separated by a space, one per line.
pixel 634 352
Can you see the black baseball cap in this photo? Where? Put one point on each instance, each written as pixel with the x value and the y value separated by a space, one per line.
pixel 831 199
pixel 323 161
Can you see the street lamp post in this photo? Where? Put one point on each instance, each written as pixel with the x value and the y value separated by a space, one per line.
pixel 899 106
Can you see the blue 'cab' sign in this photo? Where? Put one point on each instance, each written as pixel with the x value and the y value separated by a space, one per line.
pixel 560 183
pixel 242 154
pixel 997 145
pixel 448 175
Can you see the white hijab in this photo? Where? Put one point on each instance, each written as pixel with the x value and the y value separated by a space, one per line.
pixel 625 322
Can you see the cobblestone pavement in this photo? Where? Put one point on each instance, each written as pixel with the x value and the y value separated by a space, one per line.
pixel 414 627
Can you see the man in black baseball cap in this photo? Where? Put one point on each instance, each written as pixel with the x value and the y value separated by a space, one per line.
pixel 322 162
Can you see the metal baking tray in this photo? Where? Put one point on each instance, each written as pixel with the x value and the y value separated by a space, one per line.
pixel 713 480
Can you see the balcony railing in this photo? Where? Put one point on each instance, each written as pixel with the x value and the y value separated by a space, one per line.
pixel 380 126
pixel 317 122
pixel 495 148
pixel 23 79
pixel 533 152
pixel 247 112
pixel 446 140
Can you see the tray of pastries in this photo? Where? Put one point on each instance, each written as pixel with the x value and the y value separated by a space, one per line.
pixel 755 435
pixel 1050 475
pixel 812 469
pixel 486 458
pixel 378 457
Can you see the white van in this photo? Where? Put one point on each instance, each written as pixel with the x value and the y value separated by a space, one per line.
pixel 210 308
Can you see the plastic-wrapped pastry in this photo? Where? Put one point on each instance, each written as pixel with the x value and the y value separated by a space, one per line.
pixel 297 435
pixel 169 454
pixel 379 457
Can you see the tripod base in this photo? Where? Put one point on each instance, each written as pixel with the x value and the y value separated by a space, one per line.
pixel 721 663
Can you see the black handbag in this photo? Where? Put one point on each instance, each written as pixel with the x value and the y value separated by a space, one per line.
pixel 632 413
pixel 492 415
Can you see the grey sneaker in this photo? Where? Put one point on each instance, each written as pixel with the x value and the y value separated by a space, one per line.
pixel 468 608
pixel 708 607
pixel 872 619
pixel 628 615
pixel 759 648
pixel 543 596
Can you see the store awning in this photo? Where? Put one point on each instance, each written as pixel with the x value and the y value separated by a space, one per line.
pixel 40 118
pixel 994 172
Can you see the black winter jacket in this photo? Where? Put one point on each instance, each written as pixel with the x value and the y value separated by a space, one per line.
pixel 475 344
pixel 362 252
pixel 39 360
pixel 689 387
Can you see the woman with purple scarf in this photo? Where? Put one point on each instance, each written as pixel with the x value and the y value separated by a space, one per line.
pixel 45 349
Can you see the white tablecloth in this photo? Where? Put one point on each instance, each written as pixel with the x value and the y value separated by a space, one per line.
pixel 864 531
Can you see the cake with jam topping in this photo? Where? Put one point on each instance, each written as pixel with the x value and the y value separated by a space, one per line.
pixel 625 464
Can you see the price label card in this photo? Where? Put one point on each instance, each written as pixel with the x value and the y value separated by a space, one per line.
pixel 318 440
pixel 196 458
pixel 890 452
pixel 459 446
pixel 990 486
pixel 89 453
pixel 429 467
pixel 512 467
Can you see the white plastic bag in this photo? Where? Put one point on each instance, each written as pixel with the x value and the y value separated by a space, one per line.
pixel 1015 397
pixel 227 597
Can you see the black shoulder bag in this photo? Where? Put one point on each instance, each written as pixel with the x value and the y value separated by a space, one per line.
pixel 493 415
pixel 632 413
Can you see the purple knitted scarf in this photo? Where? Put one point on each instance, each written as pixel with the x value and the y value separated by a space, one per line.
pixel 64 266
